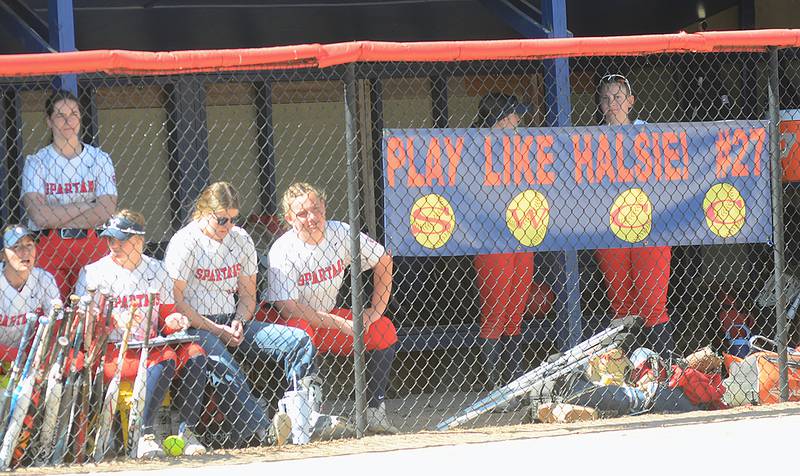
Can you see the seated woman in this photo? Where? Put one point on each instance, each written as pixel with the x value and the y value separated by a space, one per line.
pixel 306 271
pixel 128 275
pixel 24 288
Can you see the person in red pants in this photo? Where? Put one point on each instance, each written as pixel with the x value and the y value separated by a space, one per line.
pixel 637 278
pixel 306 270
pixel 68 190
pixel 504 280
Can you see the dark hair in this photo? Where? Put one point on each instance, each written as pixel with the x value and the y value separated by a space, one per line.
pixel 495 106
pixel 58 95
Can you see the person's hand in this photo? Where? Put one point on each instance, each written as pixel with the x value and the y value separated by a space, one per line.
pixel 371 316
pixel 231 335
pixel 176 322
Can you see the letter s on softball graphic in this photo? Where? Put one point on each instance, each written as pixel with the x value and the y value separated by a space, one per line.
pixel 724 210
pixel 432 221
pixel 631 215
pixel 527 217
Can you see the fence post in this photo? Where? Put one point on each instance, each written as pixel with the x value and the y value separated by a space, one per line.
pixel 777 223
pixel 353 211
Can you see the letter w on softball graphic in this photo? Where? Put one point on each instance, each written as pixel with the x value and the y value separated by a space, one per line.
pixel 451 192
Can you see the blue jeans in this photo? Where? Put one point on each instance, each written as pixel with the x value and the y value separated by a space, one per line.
pixel 261 341
pixel 626 400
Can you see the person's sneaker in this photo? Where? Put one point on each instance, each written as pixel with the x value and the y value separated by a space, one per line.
pixel 148 447
pixel 330 427
pixel 378 421
pixel 192 447
pixel 280 429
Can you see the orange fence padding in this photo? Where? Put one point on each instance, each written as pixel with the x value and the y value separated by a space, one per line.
pixel 315 55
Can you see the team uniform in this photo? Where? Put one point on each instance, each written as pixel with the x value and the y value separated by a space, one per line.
pixel 35 296
pixel 211 270
pixel 64 181
pixel 312 275
pixel 638 281
pixel 130 287
pixel 163 362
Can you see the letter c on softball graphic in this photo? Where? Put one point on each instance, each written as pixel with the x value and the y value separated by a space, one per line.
pixel 527 217
pixel 432 221
pixel 724 209
pixel 631 215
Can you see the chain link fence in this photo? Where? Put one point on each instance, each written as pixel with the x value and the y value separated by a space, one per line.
pixel 513 219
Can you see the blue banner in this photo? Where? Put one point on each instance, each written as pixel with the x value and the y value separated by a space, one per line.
pixel 468 191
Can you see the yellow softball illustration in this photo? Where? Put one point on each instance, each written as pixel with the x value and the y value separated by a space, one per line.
pixel 432 221
pixel 527 217
pixel 631 215
pixel 724 209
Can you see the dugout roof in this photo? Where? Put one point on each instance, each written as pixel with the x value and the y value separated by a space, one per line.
pixel 159 25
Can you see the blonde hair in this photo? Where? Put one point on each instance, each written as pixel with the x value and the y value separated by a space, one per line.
pixel 298 189
pixel 216 197
pixel 131 215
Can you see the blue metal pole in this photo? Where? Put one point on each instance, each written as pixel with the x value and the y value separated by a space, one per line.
pixel 62 37
pixel 557 99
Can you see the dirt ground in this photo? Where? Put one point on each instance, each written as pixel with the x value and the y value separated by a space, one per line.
pixel 429 438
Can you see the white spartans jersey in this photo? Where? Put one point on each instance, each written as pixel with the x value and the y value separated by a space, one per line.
pixel 36 295
pixel 64 181
pixel 210 268
pixel 313 274
pixel 128 287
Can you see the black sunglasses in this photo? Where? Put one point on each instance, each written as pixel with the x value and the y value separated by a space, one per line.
pixel 222 221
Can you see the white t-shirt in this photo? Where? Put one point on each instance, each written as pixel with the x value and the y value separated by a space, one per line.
pixel 210 268
pixel 313 274
pixel 36 296
pixel 128 287
pixel 64 181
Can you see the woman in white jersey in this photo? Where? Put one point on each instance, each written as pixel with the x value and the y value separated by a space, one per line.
pixel 68 189
pixel 213 264
pixel 24 288
pixel 637 278
pixel 129 276
pixel 306 270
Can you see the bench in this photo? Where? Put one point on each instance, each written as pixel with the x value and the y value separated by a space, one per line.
pixel 427 338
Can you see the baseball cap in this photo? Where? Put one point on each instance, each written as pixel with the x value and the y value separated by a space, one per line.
pixel 121 228
pixel 496 106
pixel 12 234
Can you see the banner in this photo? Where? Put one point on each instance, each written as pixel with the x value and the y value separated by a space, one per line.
pixel 470 191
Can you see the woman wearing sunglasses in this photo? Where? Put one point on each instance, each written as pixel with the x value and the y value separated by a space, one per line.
pixel 213 265
pixel 637 278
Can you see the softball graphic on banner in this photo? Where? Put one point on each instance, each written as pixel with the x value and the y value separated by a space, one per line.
pixel 631 215
pixel 527 217
pixel 432 221
pixel 724 209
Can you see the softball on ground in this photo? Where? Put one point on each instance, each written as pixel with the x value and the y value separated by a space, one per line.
pixel 173 445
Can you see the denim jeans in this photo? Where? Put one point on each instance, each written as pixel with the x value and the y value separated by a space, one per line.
pixel 261 341
pixel 627 400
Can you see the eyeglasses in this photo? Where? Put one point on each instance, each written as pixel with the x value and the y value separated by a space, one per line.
pixel 616 78
pixel 222 221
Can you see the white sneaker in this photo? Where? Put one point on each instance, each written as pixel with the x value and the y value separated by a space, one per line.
pixel 378 421
pixel 330 427
pixel 280 429
pixel 148 447
pixel 192 447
